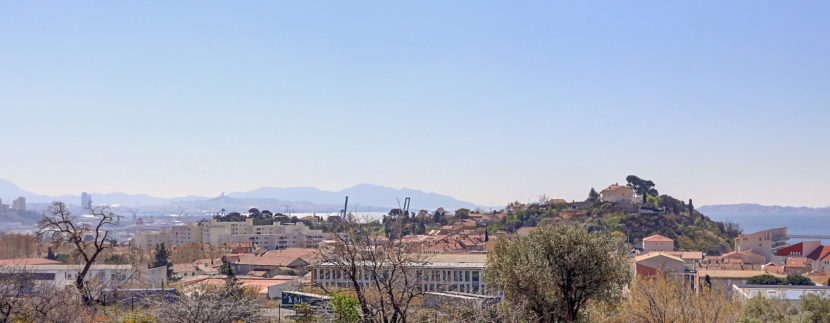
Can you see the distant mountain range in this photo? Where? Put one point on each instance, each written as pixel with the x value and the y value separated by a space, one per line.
pixel 749 208
pixel 362 198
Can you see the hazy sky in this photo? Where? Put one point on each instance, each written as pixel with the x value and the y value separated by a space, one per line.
pixel 721 101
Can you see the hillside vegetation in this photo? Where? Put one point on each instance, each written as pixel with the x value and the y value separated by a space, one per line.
pixel 660 214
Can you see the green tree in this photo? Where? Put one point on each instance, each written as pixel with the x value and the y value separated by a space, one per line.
pixel 462 213
pixel 691 208
pixel 816 307
pixel 50 254
pixel 593 196
pixel 555 270
pixel 162 261
pixel 765 279
pixel 795 279
pixel 761 309
pixel 64 258
pixel 305 313
pixel 643 187
pixel 345 307
pixel 117 259
pixel 654 201
pixel 227 270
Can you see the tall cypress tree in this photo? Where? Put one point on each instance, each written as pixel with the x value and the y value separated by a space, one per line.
pixel 161 261
pixel 50 254
pixel 691 208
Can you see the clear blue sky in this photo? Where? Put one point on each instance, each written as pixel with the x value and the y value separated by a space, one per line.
pixel 486 101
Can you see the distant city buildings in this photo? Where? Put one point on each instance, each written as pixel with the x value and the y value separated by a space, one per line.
pixel 86 200
pixel 272 237
pixel 763 242
pixel 19 204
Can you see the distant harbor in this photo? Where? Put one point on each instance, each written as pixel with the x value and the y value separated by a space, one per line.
pixel 797 224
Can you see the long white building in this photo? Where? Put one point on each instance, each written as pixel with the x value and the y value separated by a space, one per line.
pixel 108 275
pixel 272 237
pixel 462 273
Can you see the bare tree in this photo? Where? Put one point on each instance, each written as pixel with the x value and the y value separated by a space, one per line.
pixel 25 299
pixel 662 298
pixel 61 226
pixel 385 274
pixel 210 303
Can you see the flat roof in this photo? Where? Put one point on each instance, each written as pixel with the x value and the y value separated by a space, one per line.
pixel 792 287
pixel 733 273
pixel 462 265
pixel 68 267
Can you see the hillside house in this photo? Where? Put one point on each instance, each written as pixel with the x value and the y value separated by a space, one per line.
pixel 616 193
pixel 657 243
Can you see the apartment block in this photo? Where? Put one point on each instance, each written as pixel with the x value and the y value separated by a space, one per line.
pixel 272 237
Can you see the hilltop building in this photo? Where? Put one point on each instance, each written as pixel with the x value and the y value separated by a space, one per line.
pixel 617 193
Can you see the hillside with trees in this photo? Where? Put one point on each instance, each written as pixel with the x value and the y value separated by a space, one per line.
pixel 657 214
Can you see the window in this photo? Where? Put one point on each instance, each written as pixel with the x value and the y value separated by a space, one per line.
pixel 467 276
pixel 475 276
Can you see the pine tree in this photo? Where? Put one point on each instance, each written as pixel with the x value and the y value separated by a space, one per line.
pixel 227 270
pixel 161 261
pixel 593 195
pixel 50 254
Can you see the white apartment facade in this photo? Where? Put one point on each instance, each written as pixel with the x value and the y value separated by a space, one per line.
pixel 272 237
pixel 444 275
pixel 65 275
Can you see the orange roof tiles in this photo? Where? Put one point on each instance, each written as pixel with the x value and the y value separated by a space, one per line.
pixel 821 253
pixel 657 238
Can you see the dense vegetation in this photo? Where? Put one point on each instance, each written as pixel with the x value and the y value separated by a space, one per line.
pixel 660 214
pixel 767 279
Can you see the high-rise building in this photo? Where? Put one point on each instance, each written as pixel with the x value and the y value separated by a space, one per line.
pixel 19 204
pixel 86 199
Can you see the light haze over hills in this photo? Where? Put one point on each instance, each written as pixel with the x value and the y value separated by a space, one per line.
pixel 487 102
pixel 362 197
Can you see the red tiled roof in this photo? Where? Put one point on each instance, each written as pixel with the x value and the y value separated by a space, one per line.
pixel 657 238
pixel 280 258
pixel 261 284
pixel 821 253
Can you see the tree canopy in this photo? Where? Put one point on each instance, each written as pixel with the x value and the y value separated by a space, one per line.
pixel 553 272
pixel 641 186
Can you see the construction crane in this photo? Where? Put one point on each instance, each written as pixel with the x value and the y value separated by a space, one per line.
pixel 405 210
pixel 345 207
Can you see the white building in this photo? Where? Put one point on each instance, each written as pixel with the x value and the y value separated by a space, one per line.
pixel 442 273
pixel 790 293
pixel 19 204
pixel 616 193
pixel 86 200
pixel 65 275
pixel 275 236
